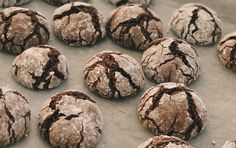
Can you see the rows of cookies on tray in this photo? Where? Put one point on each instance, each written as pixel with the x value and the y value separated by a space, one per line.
pixel 171 110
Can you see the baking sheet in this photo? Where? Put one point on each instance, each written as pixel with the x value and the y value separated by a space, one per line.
pixel 122 129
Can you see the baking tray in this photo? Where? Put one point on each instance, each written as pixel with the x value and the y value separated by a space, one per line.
pixel 122 129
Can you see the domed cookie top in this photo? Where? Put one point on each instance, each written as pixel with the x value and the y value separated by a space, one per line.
pixel 171 60
pixel 113 75
pixel 172 109
pixel 134 26
pixel 41 67
pixel 123 2
pixel 22 28
pixel 197 24
pixel 71 119
pixel 229 144
pixel 61 2
pixel 10 3
pixel 165 142
pixel 78 24
pixel 227 51
pixel 14 116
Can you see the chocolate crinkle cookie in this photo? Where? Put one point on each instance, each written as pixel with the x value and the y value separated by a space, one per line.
pixel 197 24
pixel 14 116
pixel 71 119
pixel 62 2
pixel 229 144
pixel 171 60
pixel 41 67
pixel 113 75
pixel 124 2
pixel 78 24
pixel 172 109
pixel 10 3
pixel 22 28
pixel 227 51
pixel 134 26
pixel 165 142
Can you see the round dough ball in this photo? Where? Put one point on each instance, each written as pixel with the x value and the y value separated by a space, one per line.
pixel 113 75
pixel 41 67
pixel 165 142
pixel 124 2
pixel 172 109
pixel 10 3
pixel 22 28
pixel 134 26
pixel 14 116
pixel 62 2
pixel 78 24
pixel 171 60
pixel 71 119
pixel 227 51
pixel 197 24
pixel 229 144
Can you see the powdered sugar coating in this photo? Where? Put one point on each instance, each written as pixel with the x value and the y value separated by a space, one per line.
pixel 113 75
pixel 14 116
pixel 229 144
pixel 134 26
pixel 41 67
pixel 78 24
pixel 123 2
pixel 10 3
pixel 22 28
pixel 62 2
pixel 172 109
pixel 227 50
pixel 164 141
pixel 71 119
pixel 197 24
pixel 171 60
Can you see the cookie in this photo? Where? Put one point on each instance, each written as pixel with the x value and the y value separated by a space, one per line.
pixel 165 142
pixel 78 24
pixel 124 2
pixel 62 2
pixel 10 3
pixel 134 26
pixel 22 28
pixel 113 75
pixel 14 116
pixel 71 119
pixel 171 60
pixel 229 144
pixel 172 109
pixel 41 67
pixel 227 51
pixel 197 24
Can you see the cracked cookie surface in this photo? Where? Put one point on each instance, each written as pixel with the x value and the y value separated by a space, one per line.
pixel 10 3
pixel 113 75
pixel 124 2
pixel 134 26
pixel 227 51
pixel 229 144
pixel 171 60
pixel 62 2
pixel 71 119
pixel 14 116
pixel 22 28
pixel 78 24
pixel 197 24
pixel 41 67
pixel 172 109
pixel 165 142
